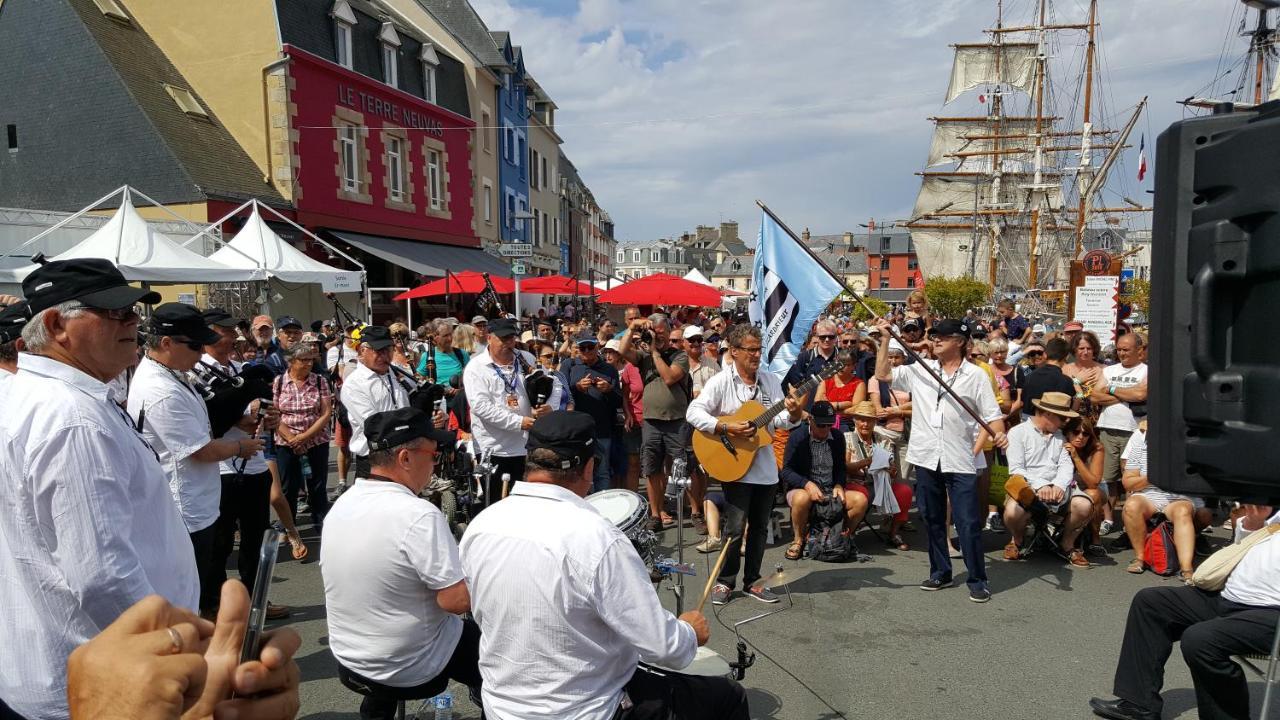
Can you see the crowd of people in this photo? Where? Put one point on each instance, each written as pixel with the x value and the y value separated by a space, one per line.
pixel 125 482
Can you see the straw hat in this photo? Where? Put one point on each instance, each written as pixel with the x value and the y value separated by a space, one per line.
pixel 865 409
pixel 1056 403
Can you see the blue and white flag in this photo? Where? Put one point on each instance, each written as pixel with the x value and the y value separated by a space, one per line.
pixel 790 289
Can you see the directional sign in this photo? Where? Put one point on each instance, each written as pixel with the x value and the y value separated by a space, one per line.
pixel 516 250
pixel 518 268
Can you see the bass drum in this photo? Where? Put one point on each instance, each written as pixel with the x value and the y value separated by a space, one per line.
pixel 629 512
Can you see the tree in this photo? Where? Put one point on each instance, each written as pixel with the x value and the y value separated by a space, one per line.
pixel 1137 293
pixel 951 297
pixel 859 313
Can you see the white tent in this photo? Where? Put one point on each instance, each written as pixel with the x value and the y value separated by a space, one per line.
pixel 695 276
pixel 142 253
pixel 258 247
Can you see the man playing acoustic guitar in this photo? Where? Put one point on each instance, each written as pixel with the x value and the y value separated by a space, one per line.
pixel 749 500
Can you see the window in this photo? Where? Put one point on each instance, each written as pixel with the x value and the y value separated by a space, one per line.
pixel 390 71
pixel 11 137
pixel 429 82
pixel 342 44
pixel 555 227
pixel 486 132
pixel 533 163
pixel 912 264
pixel 395 168
pixel 508 141
pixel 433 180
pixel 535 227
pixel 622 256
pixel 543 173
pixel 884 284
pixel 546 228
pixel 911 281
pixel 510 219
pixel 635 256
pixel 729 282
pixel 349 143
pixel 884 243
pixel 186 101
pixel 488 203
pixel 884 263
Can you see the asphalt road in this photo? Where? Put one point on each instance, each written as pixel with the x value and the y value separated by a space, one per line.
pixel 862 641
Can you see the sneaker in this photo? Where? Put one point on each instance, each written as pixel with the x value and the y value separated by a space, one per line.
pixel 1106 527
pixel 277 612
pixel 710 545
pixel 1076 559
pixel 655 524
pixel 936 584
pixel 1095 550
pixel 1011 551
pixel 700 524
pixel 979 594
pixel 762 593
pixel 720 594
pixel 991 522
pixel 996 523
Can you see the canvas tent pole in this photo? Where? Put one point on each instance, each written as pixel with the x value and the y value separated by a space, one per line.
pixel 160 206
pixel 67 219
pixel 126 198
pixel 205 231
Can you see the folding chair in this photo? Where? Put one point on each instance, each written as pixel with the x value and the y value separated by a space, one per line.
pixel 1270 675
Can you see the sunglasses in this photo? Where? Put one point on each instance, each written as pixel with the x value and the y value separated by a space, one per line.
pixel 548 356
pixel 848 341
pixel 118 314
pixel 694 340
pixel 1033 353
pixel 190 344
pixel 826 337
pixel 750 350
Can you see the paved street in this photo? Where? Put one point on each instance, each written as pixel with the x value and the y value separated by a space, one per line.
pixel 863 642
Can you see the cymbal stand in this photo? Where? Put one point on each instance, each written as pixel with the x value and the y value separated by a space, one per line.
pixel 747 659
pixel 676 486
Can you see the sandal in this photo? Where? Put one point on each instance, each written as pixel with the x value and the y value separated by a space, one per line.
pixel 1187 576
pixel 1136 566
pixel 795 551
pixel 299 548
pixel 895 541
pixel 668 521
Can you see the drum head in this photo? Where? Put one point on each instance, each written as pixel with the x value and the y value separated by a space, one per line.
pixel 706 663
pixel 617 506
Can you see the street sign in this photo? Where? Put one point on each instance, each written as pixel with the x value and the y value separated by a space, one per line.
pixel 517 268
pixel 516 250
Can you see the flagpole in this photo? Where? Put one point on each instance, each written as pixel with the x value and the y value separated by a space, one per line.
pixel 871 311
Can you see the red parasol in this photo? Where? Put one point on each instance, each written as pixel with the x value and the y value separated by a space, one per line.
pixel 555 285
pixel 662 289
pixel 467 281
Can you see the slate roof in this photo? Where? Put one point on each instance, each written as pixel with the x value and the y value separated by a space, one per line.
pixel 465 24
pixel 725 269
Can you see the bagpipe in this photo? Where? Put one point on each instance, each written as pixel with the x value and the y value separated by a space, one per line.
pixel 226 396
pixel 538 386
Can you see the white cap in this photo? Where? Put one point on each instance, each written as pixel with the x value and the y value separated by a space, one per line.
pixel 895 346
pixel 1038 328
pixel 614 345
pixel 691 331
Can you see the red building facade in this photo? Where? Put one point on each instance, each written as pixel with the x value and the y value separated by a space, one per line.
pixel 372 159
pixel 891 261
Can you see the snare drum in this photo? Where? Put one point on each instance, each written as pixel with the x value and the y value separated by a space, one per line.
pixel 629 512
pixel 706 663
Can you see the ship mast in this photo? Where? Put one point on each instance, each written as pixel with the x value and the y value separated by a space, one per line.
pixel 1033 265
pixel 1082 179
pixel 997 162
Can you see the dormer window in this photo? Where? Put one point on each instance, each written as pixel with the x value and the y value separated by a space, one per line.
pixel 390 40
pixel 430 61
pixel 343 20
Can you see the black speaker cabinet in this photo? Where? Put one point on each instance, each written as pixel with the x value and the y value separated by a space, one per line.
pixel 1215 307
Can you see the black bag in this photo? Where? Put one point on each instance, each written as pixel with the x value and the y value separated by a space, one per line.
pixel 827 541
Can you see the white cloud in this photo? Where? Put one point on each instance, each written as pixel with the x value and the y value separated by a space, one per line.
pixel 680 112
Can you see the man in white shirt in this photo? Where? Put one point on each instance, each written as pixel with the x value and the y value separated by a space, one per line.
pixel 175 421
pixel 566 606
pixel 1125 383
pixel 393 582
pixel 1040 475
pixel 370 388
pixel 749 500
pixel 341 360
pixel 1186 514
pixel 501 414
pixel 89 525
pixel 1212 627
pixel 945 440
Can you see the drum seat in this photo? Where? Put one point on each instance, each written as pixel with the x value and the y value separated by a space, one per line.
pixel 368 688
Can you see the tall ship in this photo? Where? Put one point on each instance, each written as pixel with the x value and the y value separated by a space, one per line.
pixel 1024 162
pixel 1245 79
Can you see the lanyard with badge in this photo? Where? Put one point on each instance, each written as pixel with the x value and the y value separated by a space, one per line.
pixel 510 384
pixel 936 420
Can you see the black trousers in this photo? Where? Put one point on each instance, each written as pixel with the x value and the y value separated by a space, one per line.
pixel 513 466
pixel 1211 630
pixel 683 697
pixel 211 574
pixel 464 667
pixel 745 505
pixel 291 480
pixel 246 501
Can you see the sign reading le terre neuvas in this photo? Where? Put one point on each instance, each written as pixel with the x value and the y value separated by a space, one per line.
pixel 365 102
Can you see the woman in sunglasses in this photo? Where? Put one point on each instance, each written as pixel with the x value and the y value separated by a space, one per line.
pixel 844 390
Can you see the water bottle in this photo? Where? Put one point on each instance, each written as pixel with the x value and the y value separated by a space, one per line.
pixel 426 710
pixel 444 706
pixel 306 469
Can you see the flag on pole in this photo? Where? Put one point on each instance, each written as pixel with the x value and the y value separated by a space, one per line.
pixel 919 278
pixel 789 291
pixel 1142 158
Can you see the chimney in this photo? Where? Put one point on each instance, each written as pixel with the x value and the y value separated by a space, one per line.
pixel 729 231
pixel 805 235
pixel 848 239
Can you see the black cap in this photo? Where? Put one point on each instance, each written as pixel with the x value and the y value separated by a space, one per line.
pixel 181 320
pixel 543 321
pixel 503 327
pixel 572 435
pixel 376 337
pixel 586 338
pixel 317 326
pixel 287 321
pixel 219 317
pixel 911 324
pixel 947 327
pixel 12 320
pixel 94 282
pixel 823 413
pixel 392 428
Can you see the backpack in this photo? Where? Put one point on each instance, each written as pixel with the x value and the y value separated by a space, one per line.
pixel 1159 551
pixel 827 541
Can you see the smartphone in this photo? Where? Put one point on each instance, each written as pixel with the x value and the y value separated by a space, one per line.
pixel 261 587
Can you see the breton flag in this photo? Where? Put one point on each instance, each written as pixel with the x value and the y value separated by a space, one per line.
pixel 790 289
pixel 1142 158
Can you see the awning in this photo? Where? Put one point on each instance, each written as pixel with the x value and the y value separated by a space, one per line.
pixel 425 258
pixel 891 295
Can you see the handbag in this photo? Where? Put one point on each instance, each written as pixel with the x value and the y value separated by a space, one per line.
pixel 1213 572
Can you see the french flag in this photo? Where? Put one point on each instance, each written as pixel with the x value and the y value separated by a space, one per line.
pixel 1142 158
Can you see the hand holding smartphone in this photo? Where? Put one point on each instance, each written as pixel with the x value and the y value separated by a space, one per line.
pixel 261 588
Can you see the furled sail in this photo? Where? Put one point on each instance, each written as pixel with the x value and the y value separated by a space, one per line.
pixel 944 252
pixel 968 193
pixel 975 136
pixel 975 65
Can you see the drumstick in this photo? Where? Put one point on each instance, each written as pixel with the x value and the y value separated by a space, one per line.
pixel 715 573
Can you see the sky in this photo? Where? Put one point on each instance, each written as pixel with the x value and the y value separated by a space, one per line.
pixel 684 112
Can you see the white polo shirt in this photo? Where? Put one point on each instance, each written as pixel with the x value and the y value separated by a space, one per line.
pixel 384 554
pixel 1118 416
pixel 176 424
pixel 1041 459
pixel 565 608
pixel 495 425
pixel 942 433
pixel 365 393
pixel 1256 580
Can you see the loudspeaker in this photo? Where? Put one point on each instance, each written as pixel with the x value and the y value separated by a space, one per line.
pixel 1214 356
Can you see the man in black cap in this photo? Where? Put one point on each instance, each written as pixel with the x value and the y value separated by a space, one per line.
pixel 813 467
pixel 175 421
pixel 594 384
pixel 370 388
pixel 945 440
pixel 558 586
pixel 86 501
pixel 12 319
pixel 393 582
pixel 288 332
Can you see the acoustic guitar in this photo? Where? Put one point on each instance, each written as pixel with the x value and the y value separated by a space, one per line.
pixel 727 458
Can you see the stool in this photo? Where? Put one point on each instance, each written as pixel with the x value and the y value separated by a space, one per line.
pixel 377 691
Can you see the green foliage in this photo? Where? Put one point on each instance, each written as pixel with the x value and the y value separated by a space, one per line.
pixel 1138 294
pixel 950 297
pixel 859 313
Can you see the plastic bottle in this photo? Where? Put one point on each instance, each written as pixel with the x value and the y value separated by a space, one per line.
pixel 426 710
pixel 444 706
pixel 306 469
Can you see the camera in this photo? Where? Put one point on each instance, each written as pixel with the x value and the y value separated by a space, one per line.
pixel 645 336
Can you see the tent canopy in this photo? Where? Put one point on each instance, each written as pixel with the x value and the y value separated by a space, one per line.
pixel 556 285
pixel 695 276
pixel 143 254
pixel 257 247
pixel 662 289
pixel 467 281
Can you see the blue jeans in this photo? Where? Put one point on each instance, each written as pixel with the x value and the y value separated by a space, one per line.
pixel 602 475
pixel 932 488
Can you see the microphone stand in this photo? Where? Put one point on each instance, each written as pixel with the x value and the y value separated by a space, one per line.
pixel 676 486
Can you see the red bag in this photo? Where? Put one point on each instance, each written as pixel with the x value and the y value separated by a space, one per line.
pixel 1160 553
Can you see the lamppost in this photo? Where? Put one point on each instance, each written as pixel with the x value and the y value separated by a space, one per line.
pixel 524 216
